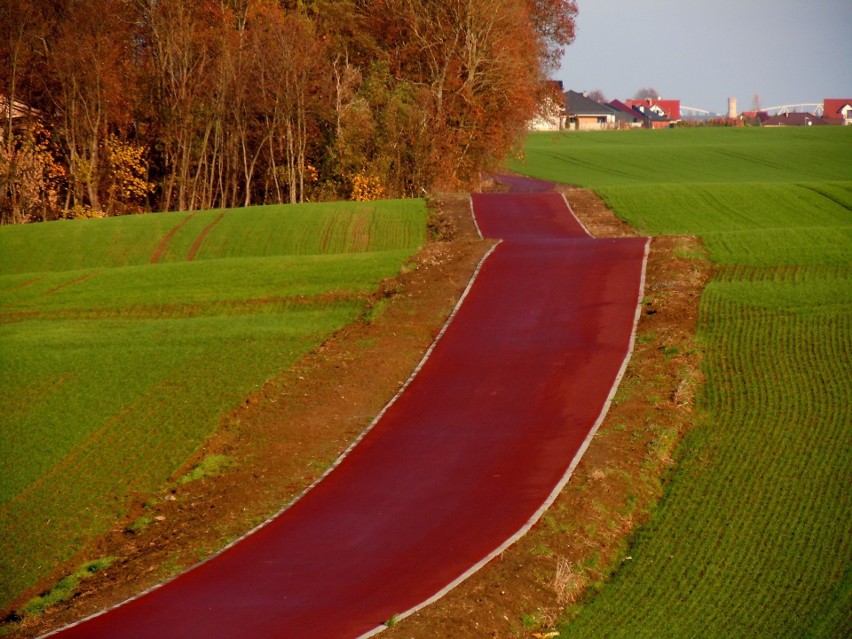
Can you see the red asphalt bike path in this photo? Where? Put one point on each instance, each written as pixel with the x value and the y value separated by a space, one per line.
pixel 458 466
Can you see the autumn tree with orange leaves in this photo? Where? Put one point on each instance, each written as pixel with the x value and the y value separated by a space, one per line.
pixel 196 104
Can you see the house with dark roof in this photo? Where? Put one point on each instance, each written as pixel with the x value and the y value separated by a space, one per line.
pixel 584 114
pixel 794 119
pixel 627 117
pixel 837 110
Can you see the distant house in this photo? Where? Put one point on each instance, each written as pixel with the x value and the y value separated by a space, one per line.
pixel 584 114
pixel 667 111
pixel 551 112
pixel 761 116
pixel 837 110
pixel 794 119
pixel 628 117
pixel 652 117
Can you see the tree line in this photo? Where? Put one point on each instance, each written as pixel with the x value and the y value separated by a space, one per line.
pixel 118 106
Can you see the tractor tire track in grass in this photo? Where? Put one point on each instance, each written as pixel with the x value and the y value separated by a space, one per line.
pixel 76 280
pixel 196 245
pixel 27 283
pixel 360 234
pixel 164 243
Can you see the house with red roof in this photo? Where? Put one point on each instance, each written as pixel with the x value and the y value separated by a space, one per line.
pixel 635 118
pixel 837 110
pixel 667 109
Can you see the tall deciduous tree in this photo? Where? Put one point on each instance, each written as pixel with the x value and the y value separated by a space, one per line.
pixel 477 65
pixel 31 176
pixel 554 24
pixel 646 93
pixel 94 82
pixel 181 50
pixel 231 102
pixel 23 27
pixel 290 59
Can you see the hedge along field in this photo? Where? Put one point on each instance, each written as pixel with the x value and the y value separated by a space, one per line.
pixel 115 370
pixel 752 537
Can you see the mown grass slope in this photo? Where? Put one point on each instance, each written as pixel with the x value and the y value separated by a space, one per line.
pixel 752 537
pixel 115 369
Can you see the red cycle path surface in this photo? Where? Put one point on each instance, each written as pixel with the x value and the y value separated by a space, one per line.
pixel 458 466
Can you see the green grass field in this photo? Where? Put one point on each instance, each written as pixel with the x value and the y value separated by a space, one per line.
pixel 116 369
pixel 753 535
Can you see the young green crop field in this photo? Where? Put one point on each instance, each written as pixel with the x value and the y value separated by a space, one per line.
pixel 124 341
pixel 753 535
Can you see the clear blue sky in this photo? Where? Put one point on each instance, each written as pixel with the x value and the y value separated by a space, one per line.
pixel 704 51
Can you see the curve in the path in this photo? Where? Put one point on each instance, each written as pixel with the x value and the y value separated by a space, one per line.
pixel 457 467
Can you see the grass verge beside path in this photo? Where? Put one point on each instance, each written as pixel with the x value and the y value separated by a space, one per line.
pixel 116 369
pixel 752 537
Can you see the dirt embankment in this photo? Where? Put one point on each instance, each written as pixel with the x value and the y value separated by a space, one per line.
pixel 284 437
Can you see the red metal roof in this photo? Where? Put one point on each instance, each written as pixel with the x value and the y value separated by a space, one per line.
pixel 670 107
pixel 831 107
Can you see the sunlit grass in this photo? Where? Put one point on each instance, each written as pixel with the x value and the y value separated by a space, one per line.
pixel 116 369
pixel 689 156
pixel 752 536
pixel 258 231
